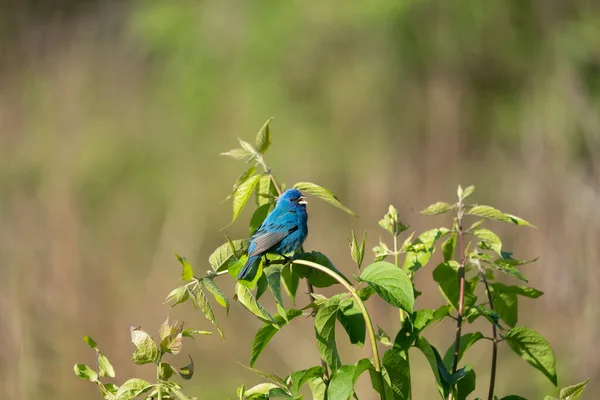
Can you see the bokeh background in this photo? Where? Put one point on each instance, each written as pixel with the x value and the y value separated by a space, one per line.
pixel 113 113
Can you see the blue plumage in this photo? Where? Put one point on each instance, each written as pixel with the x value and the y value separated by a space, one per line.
pixel 282 232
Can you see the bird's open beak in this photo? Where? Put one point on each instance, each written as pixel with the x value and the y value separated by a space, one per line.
pixel 302 200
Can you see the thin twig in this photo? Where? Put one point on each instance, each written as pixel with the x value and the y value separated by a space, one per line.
pixel 494 341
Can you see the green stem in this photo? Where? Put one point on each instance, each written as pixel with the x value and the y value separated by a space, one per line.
pixel 363 310
pixel 402 314
pixel 158 380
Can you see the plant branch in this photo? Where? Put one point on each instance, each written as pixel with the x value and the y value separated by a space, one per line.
pixel 262 162
pixel 461 297
pixel 363 310
pixel 494 341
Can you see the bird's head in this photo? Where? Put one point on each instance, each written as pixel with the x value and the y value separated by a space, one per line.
pixel 292 198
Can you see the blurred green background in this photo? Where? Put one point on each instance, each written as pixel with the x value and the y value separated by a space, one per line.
pixel 112 115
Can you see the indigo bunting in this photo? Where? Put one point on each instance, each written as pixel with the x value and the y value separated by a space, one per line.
pixel 282 232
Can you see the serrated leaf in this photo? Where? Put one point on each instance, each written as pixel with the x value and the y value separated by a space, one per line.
pixel 227 254
pixel 206 308
pixel 508 266
pixel 437 208
pixel 420 251
pixel 467 192
pixel 272 377
pixel 533 348
pixel 324 194
pixel 84 372
pixel 267 331
pixel 171 337
pixel 242 194
pixel 325 332
pixel 243 177
pixel 466 341
pixel 246 298
pixel 357 251
pixel 188 273
pixel 220 297
pixel 239 154
pixel 518 290
pixel 398 373
pixel 341 385
pixel 178 295
pixel 105 368
pixel 573 391
pixel 146 350
pixel 263 138
pixel 132 388
pixel 497 215
pixel 391 284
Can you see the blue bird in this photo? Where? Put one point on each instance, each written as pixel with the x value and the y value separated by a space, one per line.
pixel 282 232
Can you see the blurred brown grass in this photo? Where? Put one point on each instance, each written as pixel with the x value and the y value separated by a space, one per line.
pixel 112 117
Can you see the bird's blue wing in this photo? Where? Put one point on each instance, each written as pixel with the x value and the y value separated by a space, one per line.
pixel 275 228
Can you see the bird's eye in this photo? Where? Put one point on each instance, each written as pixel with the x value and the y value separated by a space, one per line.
pixel 293 200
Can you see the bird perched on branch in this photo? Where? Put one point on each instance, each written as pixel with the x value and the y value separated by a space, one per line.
pixel 282 232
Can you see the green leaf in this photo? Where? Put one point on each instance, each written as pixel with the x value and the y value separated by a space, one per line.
pixel 296 379
pixel 318 388
pixel 171 337
pixel 437 208
pixel 341 385
pixel 322 193
pixel 247 146
pixel 145 348
pixel 189 332
pixel 263 139
pixel 466 385
pixel 220 297
pixel 206 308
pixel 518 290
pixel 104 366
pixel 133 388
pixel 507 306
pixel 266 191
pixel 508 267
pixel 465 193
pixel 227 254
pixel 84 372
pixel 314 276
pixel 353 321
pixel 398 372
pixel 267 331
pixel 573 392
pixel 490 238
pixel 273 274
pixel 242 194
pixel 90 342
pixel 259 216
pixel 420 251
pixel 515 397
pixel 165 371
pixel 497 215
pixel 391 284
pixel 178 295
pixel 357 252
pixel 448 247
pixel 188 273
pixel 365 293
pixel 325 332
pixel 261 286
pixel 466 341
pixel 417 322
pixel 187 372
pixel 243 177
pixel 246 298
pixel 447 276
pixel 290 281
pixel 272 377
pixel 383 337
pixel 432 356
pixel 239 154
pixel 534 349
pixel 391 223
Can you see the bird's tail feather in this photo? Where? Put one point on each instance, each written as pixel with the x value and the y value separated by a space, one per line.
pixel 248 272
